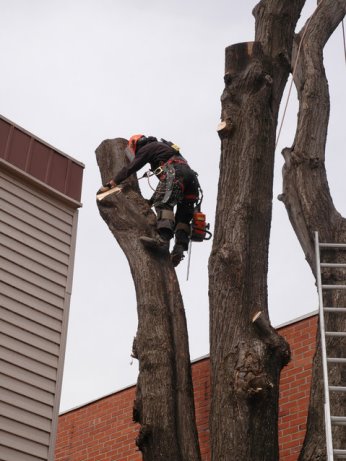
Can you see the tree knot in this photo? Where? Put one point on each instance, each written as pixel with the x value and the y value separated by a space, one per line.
pixel 134 353
pixel 259 386
pixel 143 436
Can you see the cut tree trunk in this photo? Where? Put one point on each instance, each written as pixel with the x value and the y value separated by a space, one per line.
pixel 310 208
pixel 164 405
pixel 246 353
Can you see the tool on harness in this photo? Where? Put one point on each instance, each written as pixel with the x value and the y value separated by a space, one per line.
pixel 166 172
pixel 170 144
pixel 199 226
pixel 199 232
pixel 199 229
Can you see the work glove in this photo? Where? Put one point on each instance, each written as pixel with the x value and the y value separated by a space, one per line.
pixel 109 185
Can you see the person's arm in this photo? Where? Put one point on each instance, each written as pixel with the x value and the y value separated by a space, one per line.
pixel 142 157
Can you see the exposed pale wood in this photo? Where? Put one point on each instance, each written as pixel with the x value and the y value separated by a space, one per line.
pixel 102 195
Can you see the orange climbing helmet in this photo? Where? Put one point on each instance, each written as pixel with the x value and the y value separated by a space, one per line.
pixel 132 144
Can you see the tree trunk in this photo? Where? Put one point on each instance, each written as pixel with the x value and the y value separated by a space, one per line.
pixel 246 353
pixel 164 404
pixel 310 208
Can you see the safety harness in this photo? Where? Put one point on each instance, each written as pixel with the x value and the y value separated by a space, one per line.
pixel 166 172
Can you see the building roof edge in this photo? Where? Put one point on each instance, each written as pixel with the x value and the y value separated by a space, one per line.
pixel 198 359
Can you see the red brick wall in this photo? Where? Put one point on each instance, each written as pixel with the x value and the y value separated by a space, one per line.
pixel 100 431
pixel 201 383
pixel 103 430
pixel 295 387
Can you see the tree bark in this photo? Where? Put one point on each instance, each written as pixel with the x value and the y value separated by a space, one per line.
pixel 246 353
pixel 164 404
pixel 310 208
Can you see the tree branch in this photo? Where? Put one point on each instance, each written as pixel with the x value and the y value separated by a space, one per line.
pixel 306 192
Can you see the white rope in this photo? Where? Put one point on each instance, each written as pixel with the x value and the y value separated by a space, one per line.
pixel 343 36
pixel 294 73
pixel 151 187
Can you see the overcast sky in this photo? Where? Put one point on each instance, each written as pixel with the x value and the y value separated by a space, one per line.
pixel 76 72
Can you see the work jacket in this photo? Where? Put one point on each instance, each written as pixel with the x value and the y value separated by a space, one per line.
pixel 156 153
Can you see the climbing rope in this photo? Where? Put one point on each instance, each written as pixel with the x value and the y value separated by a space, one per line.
pixel 343 36
pixel 147 175
pixel 295 67
pixel 294 73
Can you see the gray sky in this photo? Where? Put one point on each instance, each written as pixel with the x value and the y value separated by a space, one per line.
pixel 76 72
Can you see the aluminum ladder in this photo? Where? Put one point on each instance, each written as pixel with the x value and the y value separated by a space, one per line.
pixel 332 454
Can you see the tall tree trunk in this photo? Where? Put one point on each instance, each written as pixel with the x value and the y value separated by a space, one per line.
pixel 164 404
pixel 310 208
pixel 246 353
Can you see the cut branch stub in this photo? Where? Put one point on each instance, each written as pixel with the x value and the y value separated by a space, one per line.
pixel 111 159
pixel 126 213
pixel 238 57
pixel 224 128
pixel 247 71
pixel 271 337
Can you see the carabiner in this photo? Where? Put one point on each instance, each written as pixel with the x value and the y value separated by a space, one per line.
pixel 158 171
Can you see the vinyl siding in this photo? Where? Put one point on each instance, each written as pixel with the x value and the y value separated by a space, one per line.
pixel 37 245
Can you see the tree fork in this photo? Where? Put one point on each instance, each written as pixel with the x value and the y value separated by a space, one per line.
pixel 164 404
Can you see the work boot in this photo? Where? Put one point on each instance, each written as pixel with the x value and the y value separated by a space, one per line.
pixel 177 254
pixel 155 243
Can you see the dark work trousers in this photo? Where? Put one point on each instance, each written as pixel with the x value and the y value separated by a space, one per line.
pixel 183 193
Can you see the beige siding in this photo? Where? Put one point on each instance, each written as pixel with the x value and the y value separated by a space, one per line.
pixel 37 245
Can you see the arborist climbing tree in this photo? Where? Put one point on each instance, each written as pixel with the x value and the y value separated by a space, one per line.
pixel 178 186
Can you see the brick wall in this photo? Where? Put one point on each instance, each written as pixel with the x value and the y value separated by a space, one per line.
pixel 295 386
pixel 201 383
pixel 100 431
pixel 103 430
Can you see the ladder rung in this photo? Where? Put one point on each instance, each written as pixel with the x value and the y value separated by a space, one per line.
pixel 332 245
pixel 334 287
pixel 338 420
pixel 340 265
pixel 341 334
pixel 337 388
pixel 336 360
pixel 339 310
pixel 339 453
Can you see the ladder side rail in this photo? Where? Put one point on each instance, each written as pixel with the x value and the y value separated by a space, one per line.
pixel 327 418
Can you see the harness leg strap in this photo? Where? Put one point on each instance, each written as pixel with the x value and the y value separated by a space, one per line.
pixel 184 227
pixel 165 222
pixel 182 235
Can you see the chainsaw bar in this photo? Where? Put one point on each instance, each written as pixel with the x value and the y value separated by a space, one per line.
pixel 114 190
